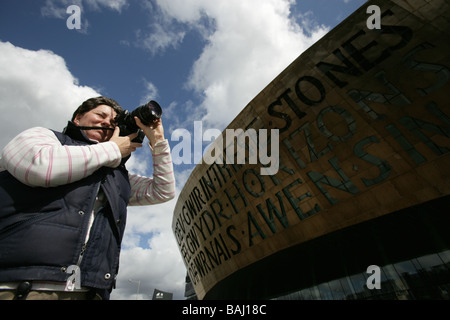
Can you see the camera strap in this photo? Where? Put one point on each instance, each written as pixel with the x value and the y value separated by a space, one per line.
pixel 95 128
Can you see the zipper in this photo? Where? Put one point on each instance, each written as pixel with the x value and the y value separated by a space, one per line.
pixel 90 224
pixel 74 280
pixel 80 257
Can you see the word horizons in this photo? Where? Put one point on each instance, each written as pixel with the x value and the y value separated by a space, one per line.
pixel 257 147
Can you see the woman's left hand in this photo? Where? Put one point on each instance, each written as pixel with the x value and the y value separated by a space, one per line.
pixel 154 132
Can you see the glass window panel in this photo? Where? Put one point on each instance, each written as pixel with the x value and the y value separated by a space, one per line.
pixel 383 275
pixel 325 292
pixel 430 261
pixel 359 285
pixel 390 272
pixel 445 256
pixel 300 295
pixel 315 293
pixel 306 294
pixel 285 297
pixel 399 287
pixel 336 290
pixel 404 268
pixel 416 264
pixel 348 288
pixel 386 285
pixel 291 296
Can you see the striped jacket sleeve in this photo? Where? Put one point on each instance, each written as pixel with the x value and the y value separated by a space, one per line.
pixel 159 188
pixel 36 158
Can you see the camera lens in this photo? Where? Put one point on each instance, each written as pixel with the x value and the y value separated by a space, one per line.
pixel 148 113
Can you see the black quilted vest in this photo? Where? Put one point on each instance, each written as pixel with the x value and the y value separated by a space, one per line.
pixel 42 230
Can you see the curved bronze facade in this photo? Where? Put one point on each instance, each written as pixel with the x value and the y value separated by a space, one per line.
pixel 364 133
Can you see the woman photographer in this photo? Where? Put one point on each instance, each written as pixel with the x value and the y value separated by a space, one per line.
pixel 63 203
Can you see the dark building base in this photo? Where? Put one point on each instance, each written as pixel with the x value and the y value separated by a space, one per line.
pixel 411 247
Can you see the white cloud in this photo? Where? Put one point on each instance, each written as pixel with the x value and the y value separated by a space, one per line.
pixel 36 89
pixel 159 39
pixel 251 43
pixel 154 268
pixel 154 261
pixel 138 162
pixel 116 5
pixel 57 8
pixel 151 92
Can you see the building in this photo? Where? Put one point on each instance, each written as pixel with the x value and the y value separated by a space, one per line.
pixel 189 291
pixel 161 295
pixel 349 196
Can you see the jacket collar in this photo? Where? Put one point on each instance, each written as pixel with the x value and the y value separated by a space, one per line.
pixel 74 132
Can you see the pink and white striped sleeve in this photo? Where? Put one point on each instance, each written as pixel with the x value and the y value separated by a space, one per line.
pixel 161 187
pixel 36 158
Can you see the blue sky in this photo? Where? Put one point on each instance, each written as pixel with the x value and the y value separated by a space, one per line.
pixel 202 60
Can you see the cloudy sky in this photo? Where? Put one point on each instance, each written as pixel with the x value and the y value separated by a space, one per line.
pixel 202 60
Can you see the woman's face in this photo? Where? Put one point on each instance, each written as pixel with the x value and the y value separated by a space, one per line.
pixel 101 116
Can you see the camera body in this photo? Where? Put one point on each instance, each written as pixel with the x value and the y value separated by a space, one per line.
pixel 148 113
